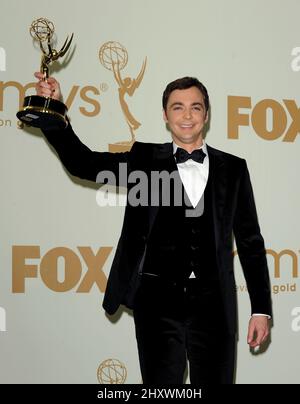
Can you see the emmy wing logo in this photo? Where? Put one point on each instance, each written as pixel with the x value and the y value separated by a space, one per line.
pixel 111 371
pixel 114 57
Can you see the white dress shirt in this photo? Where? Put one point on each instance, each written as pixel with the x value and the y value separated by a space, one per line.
pixel 194 175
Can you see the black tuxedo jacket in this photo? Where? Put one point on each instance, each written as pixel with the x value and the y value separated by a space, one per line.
pixel 233 210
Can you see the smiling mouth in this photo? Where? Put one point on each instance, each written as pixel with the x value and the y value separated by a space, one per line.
pixel 186 126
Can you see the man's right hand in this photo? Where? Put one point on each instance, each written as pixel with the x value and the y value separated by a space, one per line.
pixel 47 88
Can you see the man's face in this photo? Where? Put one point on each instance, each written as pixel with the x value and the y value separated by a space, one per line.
pixel 186 116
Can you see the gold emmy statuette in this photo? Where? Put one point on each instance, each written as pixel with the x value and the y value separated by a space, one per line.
pixel 113 56
pixel 45 112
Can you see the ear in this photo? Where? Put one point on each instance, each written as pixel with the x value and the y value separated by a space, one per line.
pixel 165 116
pixel 206 117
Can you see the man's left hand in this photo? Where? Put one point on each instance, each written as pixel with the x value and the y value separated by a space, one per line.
pixel 258 330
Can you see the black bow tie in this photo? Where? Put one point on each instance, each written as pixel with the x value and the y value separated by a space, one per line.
pixel 182 155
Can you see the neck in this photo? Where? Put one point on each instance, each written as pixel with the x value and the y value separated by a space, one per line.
pixel 189 147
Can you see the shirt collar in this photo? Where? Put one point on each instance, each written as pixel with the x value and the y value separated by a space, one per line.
pixel 203 147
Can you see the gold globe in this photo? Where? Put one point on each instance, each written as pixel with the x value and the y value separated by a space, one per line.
pixel 113 52
pixel 111 371
pixel 41 29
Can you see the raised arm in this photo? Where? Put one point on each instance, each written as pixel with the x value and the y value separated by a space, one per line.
pixel 78 159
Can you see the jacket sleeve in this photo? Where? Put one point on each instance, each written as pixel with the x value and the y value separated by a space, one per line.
pixel 250 246
pixel 79 160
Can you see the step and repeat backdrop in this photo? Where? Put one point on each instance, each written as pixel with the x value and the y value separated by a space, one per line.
pixel 58 238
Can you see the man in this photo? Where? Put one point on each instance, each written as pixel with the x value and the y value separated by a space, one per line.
pixel 174 264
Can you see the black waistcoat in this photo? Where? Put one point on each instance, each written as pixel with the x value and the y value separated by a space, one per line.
pixel 182 241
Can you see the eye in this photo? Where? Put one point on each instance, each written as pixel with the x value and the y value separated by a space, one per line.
pixel 197 108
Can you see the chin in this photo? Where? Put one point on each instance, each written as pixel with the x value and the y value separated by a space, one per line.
pixel 188 139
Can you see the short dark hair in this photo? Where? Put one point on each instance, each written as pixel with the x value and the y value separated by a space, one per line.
pixel 183 84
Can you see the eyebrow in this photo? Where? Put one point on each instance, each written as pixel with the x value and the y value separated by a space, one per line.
pixel 180 103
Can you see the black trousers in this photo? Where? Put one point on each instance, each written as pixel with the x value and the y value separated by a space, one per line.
pixel 176 321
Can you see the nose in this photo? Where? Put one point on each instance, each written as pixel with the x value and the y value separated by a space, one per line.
pixel 187 113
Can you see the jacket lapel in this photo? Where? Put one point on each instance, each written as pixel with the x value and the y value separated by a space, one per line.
pixel 219 178
pixel 162 160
